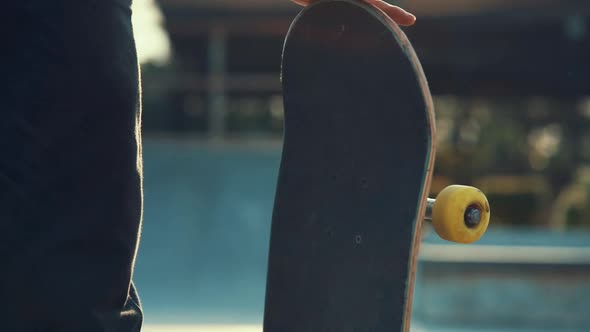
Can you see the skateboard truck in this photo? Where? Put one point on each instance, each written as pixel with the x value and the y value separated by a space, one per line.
pixel 459 214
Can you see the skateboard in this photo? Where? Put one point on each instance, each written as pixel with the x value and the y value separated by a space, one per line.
pixel 356 167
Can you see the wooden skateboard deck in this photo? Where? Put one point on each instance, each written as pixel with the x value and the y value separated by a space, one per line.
pixel 355 173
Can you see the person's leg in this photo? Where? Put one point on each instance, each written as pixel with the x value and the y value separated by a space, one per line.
pixel 70 166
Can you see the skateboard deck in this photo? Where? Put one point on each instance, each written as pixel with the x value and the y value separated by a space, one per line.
pixel 355 172
pixel 356 167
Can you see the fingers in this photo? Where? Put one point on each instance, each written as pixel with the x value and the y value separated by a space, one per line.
pixel 397 14
pixel 302 2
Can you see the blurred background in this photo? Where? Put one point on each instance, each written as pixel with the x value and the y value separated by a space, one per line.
pixel 511 85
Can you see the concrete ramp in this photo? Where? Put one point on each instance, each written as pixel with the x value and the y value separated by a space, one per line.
pixel 203 257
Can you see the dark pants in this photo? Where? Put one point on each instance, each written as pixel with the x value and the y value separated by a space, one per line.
pixel 70 166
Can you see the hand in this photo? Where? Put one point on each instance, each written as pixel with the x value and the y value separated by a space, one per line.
pixel 397 14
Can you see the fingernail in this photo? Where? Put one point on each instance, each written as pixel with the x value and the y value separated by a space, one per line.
pixel 411 19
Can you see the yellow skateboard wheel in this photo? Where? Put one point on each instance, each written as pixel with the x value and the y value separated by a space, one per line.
pixel 461 214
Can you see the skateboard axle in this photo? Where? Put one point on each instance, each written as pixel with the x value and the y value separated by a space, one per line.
pixel 429 207
pixel 472 215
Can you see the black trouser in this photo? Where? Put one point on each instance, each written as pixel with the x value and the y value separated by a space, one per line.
pixel 70 166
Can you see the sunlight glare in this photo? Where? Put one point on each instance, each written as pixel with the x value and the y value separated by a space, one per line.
pixel 153 44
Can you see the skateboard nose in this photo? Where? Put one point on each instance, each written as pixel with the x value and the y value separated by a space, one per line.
pixel 472 216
